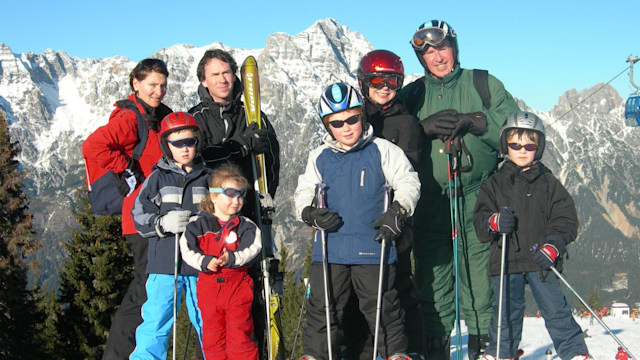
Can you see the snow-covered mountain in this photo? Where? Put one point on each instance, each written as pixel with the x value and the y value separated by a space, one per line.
pixel 54 100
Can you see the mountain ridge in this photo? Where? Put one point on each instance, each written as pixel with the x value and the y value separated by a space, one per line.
pixel 53 100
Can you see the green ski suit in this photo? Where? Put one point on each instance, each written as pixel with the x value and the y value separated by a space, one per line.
pixel 433 250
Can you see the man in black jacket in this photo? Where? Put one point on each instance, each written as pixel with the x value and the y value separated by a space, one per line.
pixel 226 137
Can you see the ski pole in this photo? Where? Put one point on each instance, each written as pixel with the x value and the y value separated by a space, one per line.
pixel 305 296
pixel 325 265
pixel 503 264
pixel 387 200
pixel 451 148
pixel 555 271
pixel 175 294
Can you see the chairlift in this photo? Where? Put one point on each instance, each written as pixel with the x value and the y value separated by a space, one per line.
pixel 632 108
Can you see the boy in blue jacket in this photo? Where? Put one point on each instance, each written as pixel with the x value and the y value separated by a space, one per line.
pixel 167 199
pixel 354 166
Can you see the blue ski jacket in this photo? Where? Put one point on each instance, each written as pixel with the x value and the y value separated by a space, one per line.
pixel 355 181
pixel 167 188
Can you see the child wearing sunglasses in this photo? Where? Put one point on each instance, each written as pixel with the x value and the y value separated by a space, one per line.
pixel 355 166
pixel 167 199
pixel 526 203
pixel 223 245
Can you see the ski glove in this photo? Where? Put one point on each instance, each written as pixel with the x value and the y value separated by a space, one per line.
pixel 175 221
pixel 321 219
pixel 256 140
pixel 390 223
pixel 501 222
pixel 547 255
pixel 440 124
pixel 130 178
pixel 473 123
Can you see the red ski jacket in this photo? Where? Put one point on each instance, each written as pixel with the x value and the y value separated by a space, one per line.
pixel 111 147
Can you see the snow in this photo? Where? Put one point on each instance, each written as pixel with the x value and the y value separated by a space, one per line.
pixel 602 346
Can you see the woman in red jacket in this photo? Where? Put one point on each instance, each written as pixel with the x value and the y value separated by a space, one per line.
pixel 111 147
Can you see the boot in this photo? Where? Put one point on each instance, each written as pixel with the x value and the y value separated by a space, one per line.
pixel 477 345
pixel 438 347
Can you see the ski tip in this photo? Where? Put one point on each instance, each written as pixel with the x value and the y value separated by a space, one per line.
pixel 250 61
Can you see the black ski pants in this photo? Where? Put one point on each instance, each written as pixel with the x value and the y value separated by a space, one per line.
pixel 363 281
pixel 122 334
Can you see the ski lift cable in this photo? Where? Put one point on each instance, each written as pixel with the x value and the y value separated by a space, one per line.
pixel 590 95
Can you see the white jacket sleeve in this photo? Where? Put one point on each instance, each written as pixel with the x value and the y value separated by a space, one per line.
pixel 305 191
pixel 399 174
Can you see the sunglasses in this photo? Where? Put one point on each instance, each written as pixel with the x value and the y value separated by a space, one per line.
pixel 429 36
pixel 378 81
pixel 229 192
pixel 339 123
pixel 180 143
pixel 528 147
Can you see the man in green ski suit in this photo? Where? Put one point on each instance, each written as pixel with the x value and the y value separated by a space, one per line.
pixel 453 110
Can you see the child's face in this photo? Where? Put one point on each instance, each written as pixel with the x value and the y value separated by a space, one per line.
pixel 346 134
pixel 182 154
pixel 521 157
pixel 226 206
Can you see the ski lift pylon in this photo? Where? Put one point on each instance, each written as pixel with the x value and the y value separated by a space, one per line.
pixel 632 107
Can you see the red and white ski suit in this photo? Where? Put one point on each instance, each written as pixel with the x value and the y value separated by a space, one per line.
pixel 224 296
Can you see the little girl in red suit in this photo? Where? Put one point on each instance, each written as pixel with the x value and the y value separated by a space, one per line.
pixel 223 245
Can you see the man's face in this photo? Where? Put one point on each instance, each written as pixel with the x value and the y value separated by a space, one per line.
pixel 439 59
pixel 218 79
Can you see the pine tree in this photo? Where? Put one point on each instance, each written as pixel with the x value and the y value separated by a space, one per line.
pixel 594 299
pixel 19 314
pixel 95 276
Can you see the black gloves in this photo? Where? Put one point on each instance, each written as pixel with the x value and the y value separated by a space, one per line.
pixel 130 178
pixel 390 223
pixel 447 124
pixel 473 123
pixel 321 219
pixel 546 256
pixel 501 222
pixel 256 140
pixel 440 124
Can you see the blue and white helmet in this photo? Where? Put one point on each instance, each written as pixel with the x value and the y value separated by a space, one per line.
pixel 338 97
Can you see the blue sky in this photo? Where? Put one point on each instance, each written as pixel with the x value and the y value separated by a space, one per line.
pixel 539 49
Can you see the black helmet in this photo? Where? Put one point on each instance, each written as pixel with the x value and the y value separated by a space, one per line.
pixel 523 120
pixel 380 65
pixel 434 33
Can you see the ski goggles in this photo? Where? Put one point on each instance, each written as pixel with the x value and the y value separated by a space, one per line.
pixel 180 143
pixel 528 147
pixel 379 81
pixel 340 123
pixel 432 36
pixel 229 191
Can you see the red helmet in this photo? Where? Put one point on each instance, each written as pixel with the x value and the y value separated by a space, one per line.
pixel 380 65
pixel 176 121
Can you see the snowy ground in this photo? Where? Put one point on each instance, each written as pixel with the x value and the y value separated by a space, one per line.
pixel 602 346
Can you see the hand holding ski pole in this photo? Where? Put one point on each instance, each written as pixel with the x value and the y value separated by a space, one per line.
pixel 387 209
pixel 547 254
pixel 320 204
pixel 503 222
pixel 321 218
pixel 390 223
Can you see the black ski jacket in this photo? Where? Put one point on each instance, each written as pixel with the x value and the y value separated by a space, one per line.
pixel 393 122
pixel 543 208
pixel 222 126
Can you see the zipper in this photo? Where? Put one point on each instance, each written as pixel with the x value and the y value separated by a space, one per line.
pixel 362 176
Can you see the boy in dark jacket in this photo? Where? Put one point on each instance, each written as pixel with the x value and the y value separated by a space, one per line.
pixel 168 198
pixel 525 203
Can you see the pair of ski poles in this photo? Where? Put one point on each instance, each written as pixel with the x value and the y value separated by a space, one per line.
pixel 320 203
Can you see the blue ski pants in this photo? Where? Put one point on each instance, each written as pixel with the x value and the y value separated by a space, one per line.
pixel 565 333
pixel 152 336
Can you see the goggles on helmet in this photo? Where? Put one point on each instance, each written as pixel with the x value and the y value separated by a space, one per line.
pixel 432 36
pixel 380 80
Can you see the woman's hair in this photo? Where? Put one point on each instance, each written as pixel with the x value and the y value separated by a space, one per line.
pixel 222 174
pixel 524 134
pixel 145 67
